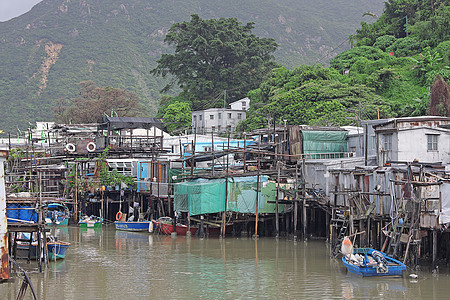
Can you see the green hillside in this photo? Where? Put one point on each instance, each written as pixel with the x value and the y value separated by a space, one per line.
pixel 393 71
pixel 46 52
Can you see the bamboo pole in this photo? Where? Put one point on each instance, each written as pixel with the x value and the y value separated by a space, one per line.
pixel 277 214
pixel 257 190
pixel 245 151
pixel 296 202
pixel 304 200
pixel 212 152
pixel 76 193
pixel 224 215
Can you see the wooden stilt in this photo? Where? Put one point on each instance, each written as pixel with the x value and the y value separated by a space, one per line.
pixel 434 248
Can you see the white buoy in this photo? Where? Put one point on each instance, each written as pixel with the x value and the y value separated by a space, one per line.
pixel 150 227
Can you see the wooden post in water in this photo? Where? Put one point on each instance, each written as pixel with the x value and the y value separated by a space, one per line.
pixel 76 193
pixel 245 152
pixel 102 207
pixel 212 152
pixel 296 202
pixel 277 215
pixel 257 193
pixel 333 216
pixel 224 215
pixel 169 188
pixel 434 248
pixel 257 188
pixel 304 199
pixel 193 151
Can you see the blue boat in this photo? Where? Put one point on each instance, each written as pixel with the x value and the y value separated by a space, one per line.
pixel 56 214
pixel 369 262
pixel 57 250
pixel 133 226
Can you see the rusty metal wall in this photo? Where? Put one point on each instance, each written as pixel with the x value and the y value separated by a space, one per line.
pixel 4 269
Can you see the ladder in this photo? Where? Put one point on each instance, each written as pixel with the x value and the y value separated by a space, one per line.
pixel 395 237
pixel 340 223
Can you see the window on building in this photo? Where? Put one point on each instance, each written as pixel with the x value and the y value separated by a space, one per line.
pixel 432 142
pixel 220 116
pixel 244 104
pixel 195 119
pixel 211 117
pixel 239 116
pixel 200 117
pixel 229 128
pixel 219 128
pixel 229 115
pixel 387 142
pixel 213 128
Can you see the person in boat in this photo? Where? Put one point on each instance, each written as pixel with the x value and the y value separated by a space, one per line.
pixel 136 210
pixel 131 214
pixel 54 217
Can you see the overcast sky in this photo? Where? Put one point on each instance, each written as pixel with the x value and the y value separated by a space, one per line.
pixel 13 8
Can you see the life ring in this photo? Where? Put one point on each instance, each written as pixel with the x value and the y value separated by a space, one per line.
pixel 70 147
pixel 91 147
pixel 119 215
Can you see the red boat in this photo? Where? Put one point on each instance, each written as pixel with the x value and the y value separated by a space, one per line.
pixel 165 225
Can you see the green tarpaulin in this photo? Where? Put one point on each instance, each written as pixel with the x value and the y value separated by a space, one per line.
pixel 324 142
pixel 208 196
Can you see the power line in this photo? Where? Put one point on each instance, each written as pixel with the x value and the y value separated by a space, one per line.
pixel 335 48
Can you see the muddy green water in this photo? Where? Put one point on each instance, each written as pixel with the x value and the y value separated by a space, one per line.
pixel 109 264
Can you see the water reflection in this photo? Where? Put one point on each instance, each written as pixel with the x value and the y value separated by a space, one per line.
pixel 109 264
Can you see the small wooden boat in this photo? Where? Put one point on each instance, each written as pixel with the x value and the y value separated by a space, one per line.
pixel 133 226
pixel 90 222
pixel 165 225
pixel 57 249
pixel 369 262
pixel 56 214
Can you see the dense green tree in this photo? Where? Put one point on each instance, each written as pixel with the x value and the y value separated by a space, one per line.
pixel 215 55
pixel 383 42
pixel 425 19
pixel 177 116
pixel 94 102
pixel 347 58
pixel 312 95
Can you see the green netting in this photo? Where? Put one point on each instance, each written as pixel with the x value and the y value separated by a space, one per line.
pixel 208 196
pixel 324 141
pixel 200 196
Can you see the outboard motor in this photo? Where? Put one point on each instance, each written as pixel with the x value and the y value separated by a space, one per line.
pixel 381 261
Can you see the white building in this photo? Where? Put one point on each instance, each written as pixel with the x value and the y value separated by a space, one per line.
pixel 426 139
pixel 220 119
